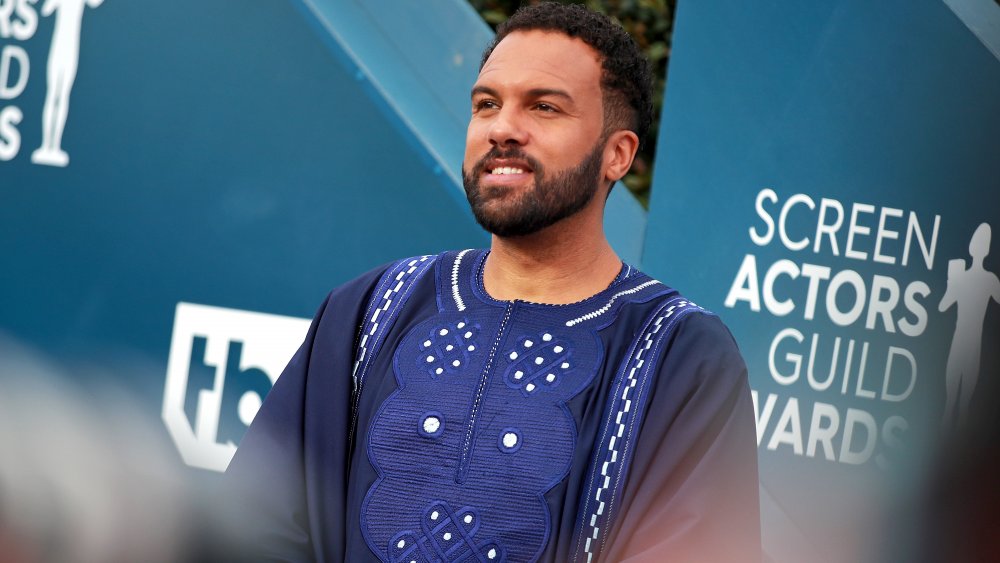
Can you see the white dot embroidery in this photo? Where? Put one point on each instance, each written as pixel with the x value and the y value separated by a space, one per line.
pixel 550 377
pixel 518 374
pixel 430 359
pixel 449 347
pixel 565 365
pixel 492 554
pixel 539 360
pixel 434 515
pixel 509 440
pixel 557 349
pixel 443 332
pixel 468 519
pixel 546 337
pixel 431 424
pixel 528 344
pixel 472 348
pixel 513 355
pixel 456 363
pixel 468 334
pixel 460 325
pixel 529 387
pixel 439 371
pixel 446 536
pixel 401 544
pixel 427 343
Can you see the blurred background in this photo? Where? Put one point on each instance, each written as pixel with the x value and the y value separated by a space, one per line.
pixel 182 183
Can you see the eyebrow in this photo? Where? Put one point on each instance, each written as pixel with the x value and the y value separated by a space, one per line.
pixel 533 93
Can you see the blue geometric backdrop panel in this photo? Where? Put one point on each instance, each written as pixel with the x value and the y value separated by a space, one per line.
pixel 216 153
pixel 823 176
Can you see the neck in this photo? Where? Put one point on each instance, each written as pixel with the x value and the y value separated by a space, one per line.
pixel 564 263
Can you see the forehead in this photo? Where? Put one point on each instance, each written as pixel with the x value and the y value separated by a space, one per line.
pixel 543 59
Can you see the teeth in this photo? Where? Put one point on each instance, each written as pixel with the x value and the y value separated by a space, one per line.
pixel 507 170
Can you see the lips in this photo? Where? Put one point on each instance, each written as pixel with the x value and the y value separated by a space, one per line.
pixel 503 170
pixel 506 174
pixel 506 166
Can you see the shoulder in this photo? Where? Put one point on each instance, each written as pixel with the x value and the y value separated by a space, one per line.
pixel 388 275
pixel 695 341
pixel 702 329
pixel 694 323
pixel 703 357
pixel 349 303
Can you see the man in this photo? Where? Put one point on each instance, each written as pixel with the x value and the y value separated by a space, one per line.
pixel 540 401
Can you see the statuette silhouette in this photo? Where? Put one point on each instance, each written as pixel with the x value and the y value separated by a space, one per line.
pixel 971 290
pixel 64 57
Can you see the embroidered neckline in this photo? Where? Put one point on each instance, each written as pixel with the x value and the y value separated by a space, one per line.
pixel 607 306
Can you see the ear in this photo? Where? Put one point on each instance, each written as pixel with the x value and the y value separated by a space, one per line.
pixel 619 151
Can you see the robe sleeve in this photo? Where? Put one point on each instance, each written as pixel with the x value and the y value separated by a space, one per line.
pixel 290 470
pixel 692 492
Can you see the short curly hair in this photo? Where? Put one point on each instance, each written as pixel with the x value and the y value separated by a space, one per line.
pixel 626 81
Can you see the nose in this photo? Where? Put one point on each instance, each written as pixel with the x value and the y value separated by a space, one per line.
pixel 508 127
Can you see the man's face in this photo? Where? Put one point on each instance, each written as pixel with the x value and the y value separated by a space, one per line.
pixel 534 149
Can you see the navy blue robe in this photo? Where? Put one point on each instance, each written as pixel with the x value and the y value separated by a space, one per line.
pixel 422 420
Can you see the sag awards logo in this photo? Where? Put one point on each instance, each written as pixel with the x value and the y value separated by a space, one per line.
pixel 18 23
pixel 857 338
pixel 222 364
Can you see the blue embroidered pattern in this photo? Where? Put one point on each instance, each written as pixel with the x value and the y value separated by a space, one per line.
pixel 445 535
pixel 479 421
pixel 448 347
pixel 538 362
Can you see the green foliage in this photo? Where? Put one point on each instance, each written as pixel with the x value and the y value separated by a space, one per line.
pixel 651 23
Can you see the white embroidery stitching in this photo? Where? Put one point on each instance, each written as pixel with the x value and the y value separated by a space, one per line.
pixel 454 280
pixel 639 362
pixel 607 306
pixel 362 348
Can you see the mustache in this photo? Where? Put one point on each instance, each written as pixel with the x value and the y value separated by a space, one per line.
pixel 511 153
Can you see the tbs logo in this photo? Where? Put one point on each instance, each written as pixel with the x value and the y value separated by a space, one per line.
pixel 222 363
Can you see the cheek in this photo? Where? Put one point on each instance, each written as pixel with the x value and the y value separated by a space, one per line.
pixel 476 145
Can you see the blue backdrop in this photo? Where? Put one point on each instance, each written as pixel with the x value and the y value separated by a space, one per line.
pixel 833 159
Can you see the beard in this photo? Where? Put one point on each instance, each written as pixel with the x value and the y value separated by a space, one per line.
pixel 543 204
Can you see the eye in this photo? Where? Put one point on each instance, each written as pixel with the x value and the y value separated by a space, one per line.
pixel 484 104
pixel 545 107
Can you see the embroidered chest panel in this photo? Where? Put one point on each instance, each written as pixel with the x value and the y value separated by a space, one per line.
pixel 478 430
